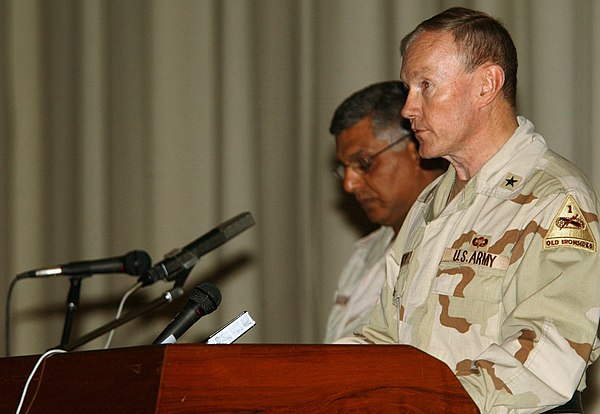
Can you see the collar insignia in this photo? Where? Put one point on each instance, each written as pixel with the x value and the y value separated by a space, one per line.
pixel 510 181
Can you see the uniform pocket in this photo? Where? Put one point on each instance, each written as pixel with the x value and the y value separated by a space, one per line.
pixel 469 282
pixel 469 299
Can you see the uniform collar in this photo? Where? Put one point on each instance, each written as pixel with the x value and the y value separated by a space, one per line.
pixel 369 248
pixel 502 176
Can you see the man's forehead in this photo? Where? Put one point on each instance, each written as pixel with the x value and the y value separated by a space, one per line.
pixel 421 55
pixel 407 73
pixel 362 131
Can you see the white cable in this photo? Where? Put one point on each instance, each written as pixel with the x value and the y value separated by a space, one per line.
pixel 120 310
pixel 131 290
pixel 37 364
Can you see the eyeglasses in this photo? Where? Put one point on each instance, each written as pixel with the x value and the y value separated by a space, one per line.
pixel 363 165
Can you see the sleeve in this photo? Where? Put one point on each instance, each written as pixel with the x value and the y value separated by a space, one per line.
pixel 551 304
pixel 380 329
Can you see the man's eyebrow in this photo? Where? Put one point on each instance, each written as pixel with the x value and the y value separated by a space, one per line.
pixel 421 71
pixel 356 154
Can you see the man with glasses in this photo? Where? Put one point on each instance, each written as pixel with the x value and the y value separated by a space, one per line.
pixel 378 163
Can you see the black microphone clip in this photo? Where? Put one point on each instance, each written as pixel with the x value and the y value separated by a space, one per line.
pixel 182 260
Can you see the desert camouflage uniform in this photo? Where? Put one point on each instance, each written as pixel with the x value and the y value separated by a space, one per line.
pixel 502 283
pixel 359 284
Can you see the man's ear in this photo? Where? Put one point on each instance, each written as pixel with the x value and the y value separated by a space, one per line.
pixel 491 82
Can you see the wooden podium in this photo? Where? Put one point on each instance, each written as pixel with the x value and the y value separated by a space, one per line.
pixel 234 378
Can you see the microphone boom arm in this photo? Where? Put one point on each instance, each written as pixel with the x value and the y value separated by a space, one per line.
pixel 166 297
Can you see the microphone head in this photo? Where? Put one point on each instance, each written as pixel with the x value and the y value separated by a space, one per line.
pixel 136 262
pixel 207 296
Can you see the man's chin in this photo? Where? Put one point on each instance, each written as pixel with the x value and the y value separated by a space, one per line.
pixel 428 149
pixel 376 218
pixel 427 152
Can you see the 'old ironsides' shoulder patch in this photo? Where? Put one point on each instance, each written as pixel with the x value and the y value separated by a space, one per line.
pixel 570 229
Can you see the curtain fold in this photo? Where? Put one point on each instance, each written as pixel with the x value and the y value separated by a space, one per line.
pixel 144 124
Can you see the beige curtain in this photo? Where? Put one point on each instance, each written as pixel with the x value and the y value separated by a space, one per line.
pixel 142 124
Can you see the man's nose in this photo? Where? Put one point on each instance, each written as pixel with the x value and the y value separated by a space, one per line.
pixel 352 180
pixel 410 109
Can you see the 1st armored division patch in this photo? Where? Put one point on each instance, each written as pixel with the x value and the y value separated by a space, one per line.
pixel 569 228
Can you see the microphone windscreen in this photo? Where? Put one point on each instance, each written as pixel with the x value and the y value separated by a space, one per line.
pixel 137 262
pixel 207 296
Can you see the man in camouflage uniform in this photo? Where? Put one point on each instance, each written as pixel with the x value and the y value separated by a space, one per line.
pixel 495 270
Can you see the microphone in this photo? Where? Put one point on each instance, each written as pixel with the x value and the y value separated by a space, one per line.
pixel 135 263
pixel 185 258
pixel 204 299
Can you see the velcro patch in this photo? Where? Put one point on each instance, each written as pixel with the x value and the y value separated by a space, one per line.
pixel 569 228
